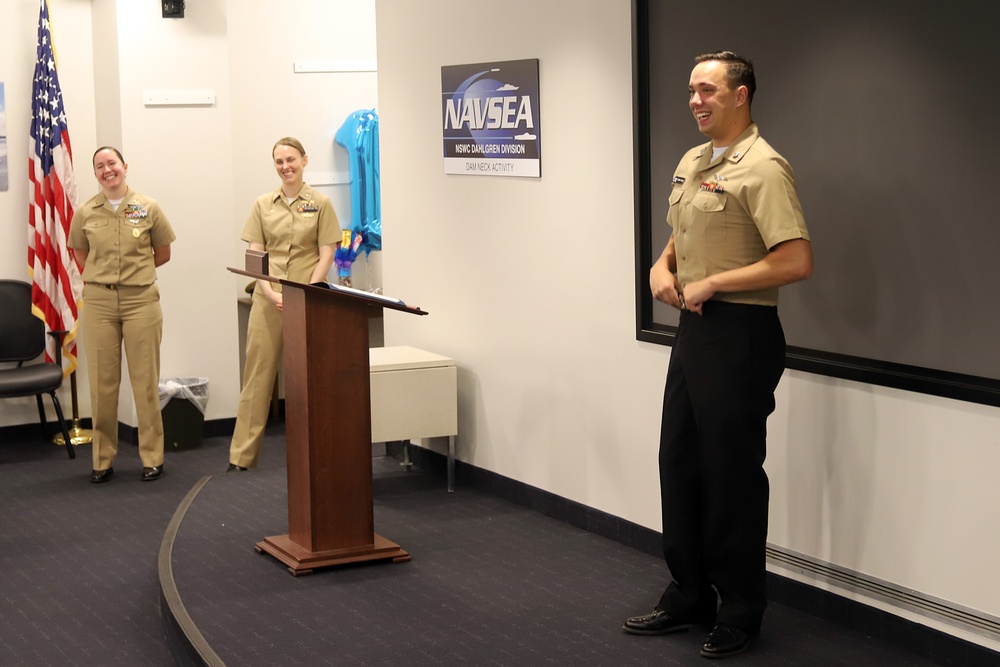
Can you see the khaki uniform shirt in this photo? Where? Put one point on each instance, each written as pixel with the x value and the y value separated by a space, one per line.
pixel 119 244
pixel 292 233
pixel 729 212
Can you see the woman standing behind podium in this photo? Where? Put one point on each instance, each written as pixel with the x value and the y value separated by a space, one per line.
pixel 120 237
pixel 298 229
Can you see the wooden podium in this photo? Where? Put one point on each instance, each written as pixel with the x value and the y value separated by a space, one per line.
pixel 328 429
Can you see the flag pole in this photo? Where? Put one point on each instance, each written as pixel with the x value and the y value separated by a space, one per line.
pixel 55 277
pixel 78 436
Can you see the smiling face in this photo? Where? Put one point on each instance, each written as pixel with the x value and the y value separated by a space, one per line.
pixel 289 163
pixel 110 171
pixel 721 112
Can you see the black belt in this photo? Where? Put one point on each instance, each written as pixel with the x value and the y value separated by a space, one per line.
pixel 116 287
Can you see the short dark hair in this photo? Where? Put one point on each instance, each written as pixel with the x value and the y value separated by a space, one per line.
pixel 739 70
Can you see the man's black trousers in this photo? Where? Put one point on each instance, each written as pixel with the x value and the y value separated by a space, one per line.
pixel 723 370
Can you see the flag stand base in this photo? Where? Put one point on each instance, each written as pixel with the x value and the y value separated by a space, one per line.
pixel 78 436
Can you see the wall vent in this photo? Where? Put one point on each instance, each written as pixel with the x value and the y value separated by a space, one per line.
pixel 941 610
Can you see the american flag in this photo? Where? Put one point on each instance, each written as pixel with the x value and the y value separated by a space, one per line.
pixel 56 285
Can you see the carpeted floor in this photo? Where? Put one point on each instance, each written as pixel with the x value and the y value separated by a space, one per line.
pixel 78 580
pixel 490 582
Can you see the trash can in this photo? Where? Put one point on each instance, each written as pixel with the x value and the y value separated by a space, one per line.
pixel 182 404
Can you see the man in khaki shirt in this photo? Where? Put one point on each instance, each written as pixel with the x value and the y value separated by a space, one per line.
pixel 737 235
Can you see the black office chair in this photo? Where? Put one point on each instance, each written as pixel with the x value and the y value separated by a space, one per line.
pixel 22 338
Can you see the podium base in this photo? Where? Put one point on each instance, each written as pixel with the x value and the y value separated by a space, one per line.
pixel 302 561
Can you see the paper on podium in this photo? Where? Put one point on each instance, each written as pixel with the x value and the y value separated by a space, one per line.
pixel 360 292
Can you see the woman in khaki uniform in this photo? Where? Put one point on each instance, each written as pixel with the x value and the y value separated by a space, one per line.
pixel 120 237
pixel 298 228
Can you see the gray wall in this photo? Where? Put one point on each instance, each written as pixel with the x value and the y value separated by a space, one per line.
pixel 885 114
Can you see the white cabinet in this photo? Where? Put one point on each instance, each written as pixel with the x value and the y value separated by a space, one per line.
pixel 414 394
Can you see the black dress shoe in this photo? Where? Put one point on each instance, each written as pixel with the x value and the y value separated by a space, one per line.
pixel 726 640
pixel 149 474
pixel 235 468
pixel 658 622
pixel 101 476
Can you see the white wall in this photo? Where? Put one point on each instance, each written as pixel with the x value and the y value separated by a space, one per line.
pixel 531 291
pixel 528 282
pixel 181 156
pixel 897 485
pixel 204 164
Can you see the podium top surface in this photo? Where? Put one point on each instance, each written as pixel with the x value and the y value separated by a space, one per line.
pixel 404 357
pixel 370 299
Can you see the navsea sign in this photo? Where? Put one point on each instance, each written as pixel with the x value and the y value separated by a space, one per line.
pixel 490 116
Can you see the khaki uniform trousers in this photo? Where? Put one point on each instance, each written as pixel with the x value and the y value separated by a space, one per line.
pixel 109 317
pixel 263 355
